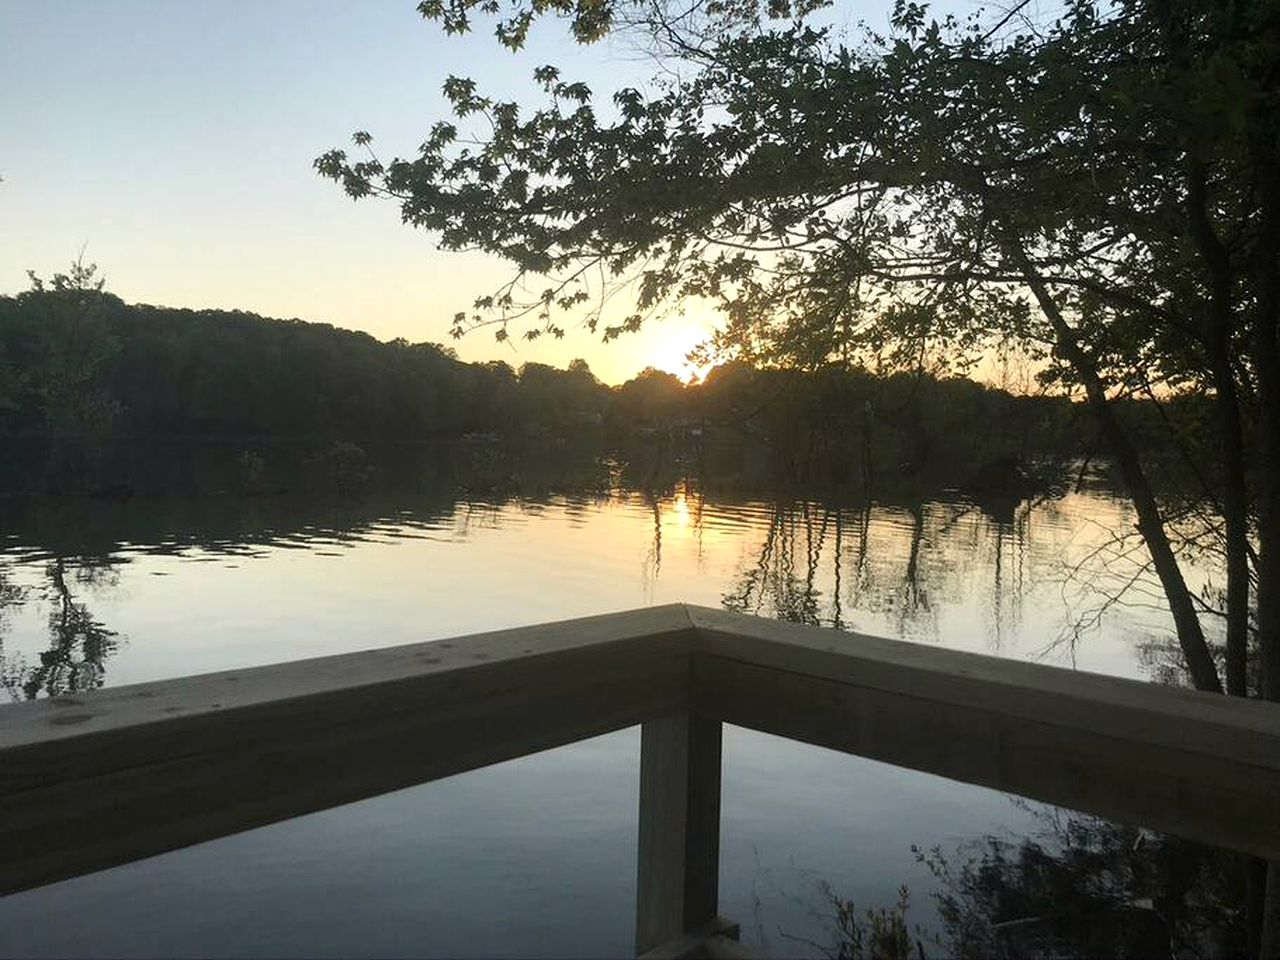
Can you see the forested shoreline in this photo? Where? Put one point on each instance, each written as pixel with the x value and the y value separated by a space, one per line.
pixel 78 364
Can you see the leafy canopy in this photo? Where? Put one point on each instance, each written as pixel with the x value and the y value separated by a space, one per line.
pixel 851 199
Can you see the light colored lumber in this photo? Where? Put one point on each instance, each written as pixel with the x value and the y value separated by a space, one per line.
pixel 113 776
pixel 1200 765
pixel 99 779
pixel 678 859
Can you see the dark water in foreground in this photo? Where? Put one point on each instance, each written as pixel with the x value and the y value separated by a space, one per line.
pixel 536 856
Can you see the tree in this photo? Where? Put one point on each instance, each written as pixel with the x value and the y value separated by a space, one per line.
pixel 903 199
pixel 76 362
pixel 1102 190
pixel 70 343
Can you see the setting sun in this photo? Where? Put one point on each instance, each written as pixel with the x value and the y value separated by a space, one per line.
pixel 673 339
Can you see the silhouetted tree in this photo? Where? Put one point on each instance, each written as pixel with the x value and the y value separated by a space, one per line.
pixel 59 354
pixel 1102 189
pixel 895 202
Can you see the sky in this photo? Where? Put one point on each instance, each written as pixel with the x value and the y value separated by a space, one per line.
pixel 172 141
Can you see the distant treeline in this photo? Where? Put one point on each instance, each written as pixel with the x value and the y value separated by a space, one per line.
pixel 82 363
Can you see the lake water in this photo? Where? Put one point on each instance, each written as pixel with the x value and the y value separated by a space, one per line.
pixel 537 856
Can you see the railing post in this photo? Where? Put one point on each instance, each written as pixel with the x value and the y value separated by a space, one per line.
pixel 678 869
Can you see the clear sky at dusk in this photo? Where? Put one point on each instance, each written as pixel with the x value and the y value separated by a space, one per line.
pixel 174 141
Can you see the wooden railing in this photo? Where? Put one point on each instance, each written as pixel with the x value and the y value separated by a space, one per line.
pixel 99 779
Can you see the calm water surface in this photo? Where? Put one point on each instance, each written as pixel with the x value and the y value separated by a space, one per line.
pixel 536 856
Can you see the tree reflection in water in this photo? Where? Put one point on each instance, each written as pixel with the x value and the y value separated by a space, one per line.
pixel 1084 886
pixel 79 643
pixel 11 596
pixel 1079 887
pixel 884 561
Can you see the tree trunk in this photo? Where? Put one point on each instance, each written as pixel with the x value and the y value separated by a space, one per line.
pixel 1190 633
pixel 1266 357
pixel 1235 514
pixel 1269 607
pixel 1219 329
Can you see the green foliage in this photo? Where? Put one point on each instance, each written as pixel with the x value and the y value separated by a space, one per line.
pixel 1097 188
pixel 83 362
pixel 651 397
pixel 590 20
pixel 773 183
pixel 869 201
pixel 58 353
pixel 877 933
pixel 209 374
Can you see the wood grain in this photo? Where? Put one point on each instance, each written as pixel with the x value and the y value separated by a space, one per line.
pixel 104 778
